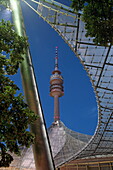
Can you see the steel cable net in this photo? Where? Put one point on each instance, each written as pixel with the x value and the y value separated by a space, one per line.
pixel 98 62
pixel 65 142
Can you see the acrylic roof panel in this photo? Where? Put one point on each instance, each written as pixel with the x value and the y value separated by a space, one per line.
pixel 98 62
pixel 25 161
pixel 65 142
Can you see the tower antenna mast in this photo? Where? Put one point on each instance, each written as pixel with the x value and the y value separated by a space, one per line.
pixel 56 59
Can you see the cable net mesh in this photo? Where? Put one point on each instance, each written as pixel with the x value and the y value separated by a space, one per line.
pixel 98 62
pixel 65 142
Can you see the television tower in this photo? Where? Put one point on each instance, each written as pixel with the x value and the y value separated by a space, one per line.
pixel 56 88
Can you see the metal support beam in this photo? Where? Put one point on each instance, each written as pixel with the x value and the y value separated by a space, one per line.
pixel 41 147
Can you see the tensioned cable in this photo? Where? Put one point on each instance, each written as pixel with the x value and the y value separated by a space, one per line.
pixel 49 9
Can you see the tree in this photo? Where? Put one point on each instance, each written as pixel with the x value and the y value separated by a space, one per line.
pixel 98 18
pixel 15 116
pixel 5 2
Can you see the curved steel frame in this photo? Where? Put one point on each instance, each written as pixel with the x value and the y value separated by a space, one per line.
pixel 97 61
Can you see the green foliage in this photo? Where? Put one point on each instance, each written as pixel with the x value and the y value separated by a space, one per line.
pixel 98 16
pixel 13 45
pixel 15 116
pixel 4 2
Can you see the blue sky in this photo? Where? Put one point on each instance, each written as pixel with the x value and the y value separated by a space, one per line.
pixel 78 106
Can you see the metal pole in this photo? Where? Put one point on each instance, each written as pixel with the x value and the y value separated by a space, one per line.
pixel 41 147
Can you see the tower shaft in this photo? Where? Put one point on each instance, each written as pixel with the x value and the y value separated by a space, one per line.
pixel 56 108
